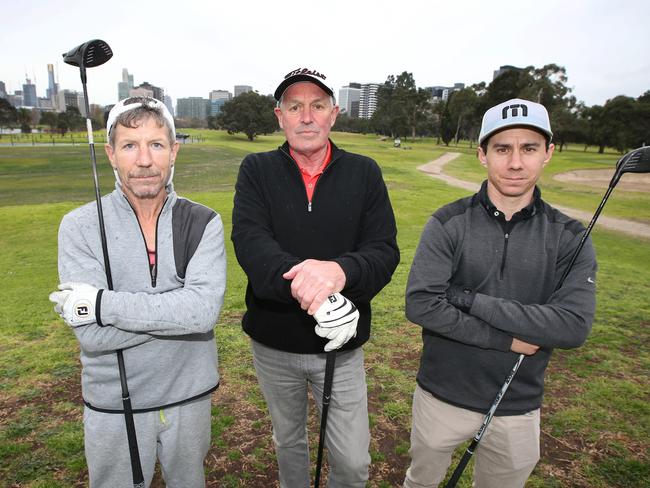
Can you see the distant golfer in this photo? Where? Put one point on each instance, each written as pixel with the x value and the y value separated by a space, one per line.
pixel 169 274
pixel 481 287
pixel 311 220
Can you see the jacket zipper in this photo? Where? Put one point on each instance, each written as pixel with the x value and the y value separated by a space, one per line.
pixel 153 270
pixel 506 237
pixel 300 175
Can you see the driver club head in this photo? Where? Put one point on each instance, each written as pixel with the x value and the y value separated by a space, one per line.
pixel 89 54
pixel 636 161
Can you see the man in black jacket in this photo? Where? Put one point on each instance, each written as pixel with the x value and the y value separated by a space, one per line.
pixel 311 220
pixel 482 287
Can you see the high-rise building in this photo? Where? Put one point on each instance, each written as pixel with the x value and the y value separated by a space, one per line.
pixel 217 99
pixel 70 98
pixel 349 98
pixel 220 95
pixel 125 85
pixel 29 94
pixel 140 92
pixel 53 87
pixel 504 69
pixel 368 100
pixel 442 93
pixel 192 108
pixel 169 104
pixel 16 99
pixel 45 104
pixel 239 89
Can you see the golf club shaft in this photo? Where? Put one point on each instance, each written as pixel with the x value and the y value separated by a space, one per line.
pixel 469 452
pixel 488 417
pixel 136 467
pixel 330 362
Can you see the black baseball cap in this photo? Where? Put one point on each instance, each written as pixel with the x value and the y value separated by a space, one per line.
pixel 302 74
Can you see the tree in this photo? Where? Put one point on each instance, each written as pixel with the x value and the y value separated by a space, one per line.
pixel 50 119
pixel 464 117
pixel 71 119
pixel 618 118
pixel 446 125
pixel 8 114
pixel 402 107
pixel 249 113
pixel 357 125
pixel 25 120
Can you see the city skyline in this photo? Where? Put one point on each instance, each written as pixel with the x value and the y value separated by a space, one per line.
pixel 602 48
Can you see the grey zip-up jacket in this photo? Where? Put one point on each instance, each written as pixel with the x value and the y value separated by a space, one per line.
pixel 161 316
pixel 514 267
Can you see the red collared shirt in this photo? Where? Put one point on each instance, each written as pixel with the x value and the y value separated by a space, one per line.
pixel 310 180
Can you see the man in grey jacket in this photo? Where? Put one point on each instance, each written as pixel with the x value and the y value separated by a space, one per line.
pixel 169 273
pixel 482 287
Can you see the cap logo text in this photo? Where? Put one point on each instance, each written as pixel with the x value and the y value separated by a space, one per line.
pixel 515 110
pixel 305 71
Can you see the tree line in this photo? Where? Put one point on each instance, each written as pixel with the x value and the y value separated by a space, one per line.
pixel 405 110
pixel 61 123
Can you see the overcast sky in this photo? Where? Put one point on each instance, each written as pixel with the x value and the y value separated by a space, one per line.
pixel 190 47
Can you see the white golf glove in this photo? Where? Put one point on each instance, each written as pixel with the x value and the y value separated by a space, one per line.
pixel 336 320
pixel 75 303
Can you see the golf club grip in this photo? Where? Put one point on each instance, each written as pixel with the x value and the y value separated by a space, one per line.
pixel 458 472
pixel 330 362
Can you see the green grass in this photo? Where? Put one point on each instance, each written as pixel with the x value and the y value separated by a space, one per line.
pixel 596 406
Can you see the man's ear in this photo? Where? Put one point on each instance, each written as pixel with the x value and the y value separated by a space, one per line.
pixel 482 157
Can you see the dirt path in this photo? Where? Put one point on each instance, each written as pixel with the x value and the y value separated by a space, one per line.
pixel 636 229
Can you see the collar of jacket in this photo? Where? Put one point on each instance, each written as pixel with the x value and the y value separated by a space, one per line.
pixel 525 213
pixel 124 203
pixel 336 152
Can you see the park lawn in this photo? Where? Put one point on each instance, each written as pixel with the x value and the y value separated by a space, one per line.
pixel 595 416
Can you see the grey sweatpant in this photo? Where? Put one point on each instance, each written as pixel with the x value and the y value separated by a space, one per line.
pixel 179 437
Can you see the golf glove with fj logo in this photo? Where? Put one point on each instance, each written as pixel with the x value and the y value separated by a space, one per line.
pixel 75 303
pixel 336 320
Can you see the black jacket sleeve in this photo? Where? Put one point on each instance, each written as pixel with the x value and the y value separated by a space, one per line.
pixel 258 253
pixel 370 266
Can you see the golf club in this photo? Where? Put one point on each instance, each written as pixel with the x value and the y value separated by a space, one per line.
pixel 89 55
pixel 636 161
pixel 330 362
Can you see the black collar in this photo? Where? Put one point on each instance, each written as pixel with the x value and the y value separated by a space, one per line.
pixel 523 214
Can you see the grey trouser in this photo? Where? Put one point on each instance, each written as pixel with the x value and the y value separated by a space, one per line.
pixel 505 458
pixel 284 378
pixel 179 437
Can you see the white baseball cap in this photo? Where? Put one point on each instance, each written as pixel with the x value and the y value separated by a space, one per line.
pixel 133 103
pixel 515 112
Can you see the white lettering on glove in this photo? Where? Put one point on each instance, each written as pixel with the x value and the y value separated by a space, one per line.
pixel 336 320
pixel 75 303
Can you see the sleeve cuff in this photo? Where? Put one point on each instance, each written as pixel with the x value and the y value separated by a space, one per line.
pixel 98 308
pixel 351 269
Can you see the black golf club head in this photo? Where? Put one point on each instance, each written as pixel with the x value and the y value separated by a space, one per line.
pixel 636 161
pixel 89 54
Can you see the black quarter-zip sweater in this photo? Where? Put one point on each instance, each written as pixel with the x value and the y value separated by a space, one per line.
pixel 514 266
pixel 350 221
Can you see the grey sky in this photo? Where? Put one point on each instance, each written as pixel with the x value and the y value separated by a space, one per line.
pixel 190 47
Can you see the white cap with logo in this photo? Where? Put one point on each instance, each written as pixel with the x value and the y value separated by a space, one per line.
pixel 515 112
